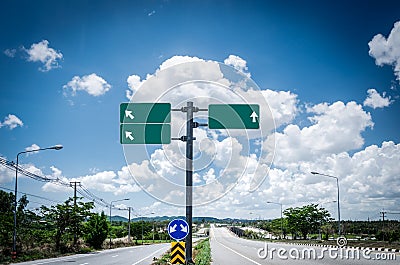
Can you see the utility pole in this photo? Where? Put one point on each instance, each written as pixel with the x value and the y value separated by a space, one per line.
pixel 73 184
pixel 383 224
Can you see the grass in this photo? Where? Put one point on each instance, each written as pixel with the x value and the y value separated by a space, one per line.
pixel 202 252
pixel 164 260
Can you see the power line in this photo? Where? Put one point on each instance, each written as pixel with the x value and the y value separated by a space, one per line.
pixel 81 190
pixel 32 195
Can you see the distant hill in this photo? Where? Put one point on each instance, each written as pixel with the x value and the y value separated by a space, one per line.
pixel 199 219
pixel 118 218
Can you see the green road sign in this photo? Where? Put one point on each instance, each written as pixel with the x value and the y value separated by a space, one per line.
pixel 145 112
pixel 145 133
pixel 233 116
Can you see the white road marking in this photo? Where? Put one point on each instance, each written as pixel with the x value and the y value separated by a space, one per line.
pixel 54 260
pixel 255 262
pixel 137 262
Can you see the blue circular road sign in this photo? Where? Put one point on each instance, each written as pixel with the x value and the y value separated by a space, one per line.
pixel 178 229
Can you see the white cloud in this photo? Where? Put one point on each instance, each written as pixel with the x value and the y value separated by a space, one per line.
pixel 178 59
pixel 227 154
pixel 335 128
pixel 387 51
pixel 6 175
pixel 118 183
pixel 32 147
pixel 375 100
pixel 41 52
pixel 11 121
pixel 237 63
pixel 368 182
pixel 133 84
pixel 134 81
pixel 92 84
pixel 10 52
pixel 283 105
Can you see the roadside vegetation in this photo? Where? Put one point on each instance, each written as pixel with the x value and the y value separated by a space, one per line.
pixel 66 228
pixel 201 254
pixel 313 224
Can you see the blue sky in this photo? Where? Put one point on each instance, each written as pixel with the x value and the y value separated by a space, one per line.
pixel 317 52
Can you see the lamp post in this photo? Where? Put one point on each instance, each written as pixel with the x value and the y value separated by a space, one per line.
pixel 111 205
pixel 153 227
pixel 129 224
pixel 141 217
pixel 338 195
pixel 56 147
pixel 281 215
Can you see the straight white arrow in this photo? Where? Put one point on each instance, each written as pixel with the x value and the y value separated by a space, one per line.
pixel 129 135
pixel 172 228
pixel 184 228
pixel 128 114
pixel 254 116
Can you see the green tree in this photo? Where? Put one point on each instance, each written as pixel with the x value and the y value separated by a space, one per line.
pixel 136 229
pixel 96 230
pixel 306 219
pixel 7 220
pixel 327 229
pixel 67 220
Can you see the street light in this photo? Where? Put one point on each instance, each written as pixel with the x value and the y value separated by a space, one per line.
pixel 281 215
pixel 338 195
pixel 56 147
pixel 111 205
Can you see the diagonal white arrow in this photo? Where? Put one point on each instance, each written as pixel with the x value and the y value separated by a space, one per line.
pixel 129 135
pixel 254 116
pixel 128 114
pixel 184 228
pixel 172 228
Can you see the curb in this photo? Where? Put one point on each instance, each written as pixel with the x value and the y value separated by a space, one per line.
pixel 361 248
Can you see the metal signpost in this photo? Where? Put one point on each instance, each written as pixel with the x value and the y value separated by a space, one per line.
pixel 149 123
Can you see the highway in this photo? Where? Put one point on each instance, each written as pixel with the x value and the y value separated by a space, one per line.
pixel 226 248
pixel 137 255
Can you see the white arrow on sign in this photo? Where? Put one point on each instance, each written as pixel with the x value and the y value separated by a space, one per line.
pixel 254 116
pixel 129 135
pixel 172 228
pixel 184 228
pixel 128 114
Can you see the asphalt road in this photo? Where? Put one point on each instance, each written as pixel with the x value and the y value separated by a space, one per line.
pixel 138 255
pixel 226 248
